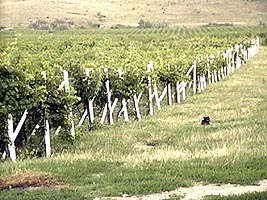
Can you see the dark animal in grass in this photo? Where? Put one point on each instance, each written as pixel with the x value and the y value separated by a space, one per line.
pixel 205 121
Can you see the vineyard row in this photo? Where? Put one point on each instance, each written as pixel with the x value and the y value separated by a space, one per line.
pixel 149 96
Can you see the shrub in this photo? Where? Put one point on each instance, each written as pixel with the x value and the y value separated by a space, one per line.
pixel 144 24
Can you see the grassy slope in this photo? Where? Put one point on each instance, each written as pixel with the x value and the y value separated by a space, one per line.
pixel 170 149
pixel 129 12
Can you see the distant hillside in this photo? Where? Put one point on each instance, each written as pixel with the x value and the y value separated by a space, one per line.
pixel 130 12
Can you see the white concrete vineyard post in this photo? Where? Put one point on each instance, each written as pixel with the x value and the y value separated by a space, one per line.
pixel 178 93
pixel 209 76
pixel 11 146
pixel 225 67
pixel 107 84
pixel 90 107
pixel 136 105
pixel 195 77
pixel 238 60
pixel 13 134
pixel 184 90
pixel 47 139
pixel 233 60
pixel 227 63
pixel 91 110
pixel 124 110
pixel 204 82
pixel 198 84
pixel 110 106
pixel 169 89
pixel 67 89
pixel 47 129
pixel 105 111
pixel 124 102
pixel 215 76
pixel 159 98
pixel 150 93
pixel 222 73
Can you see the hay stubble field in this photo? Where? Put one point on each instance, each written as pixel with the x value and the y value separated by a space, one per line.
pixel 129 12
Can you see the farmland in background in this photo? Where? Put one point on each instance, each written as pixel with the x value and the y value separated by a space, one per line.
pixel 83 13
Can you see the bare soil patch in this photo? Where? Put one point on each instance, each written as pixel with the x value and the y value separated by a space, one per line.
pixel 28 180
pixel 199 191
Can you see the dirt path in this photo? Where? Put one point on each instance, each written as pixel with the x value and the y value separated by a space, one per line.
pixel 198 192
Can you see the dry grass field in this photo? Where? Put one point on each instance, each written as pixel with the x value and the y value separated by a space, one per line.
pixel 15 13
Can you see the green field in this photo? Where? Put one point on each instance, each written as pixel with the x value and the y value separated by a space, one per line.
pixel 26 55
pixel 160 153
